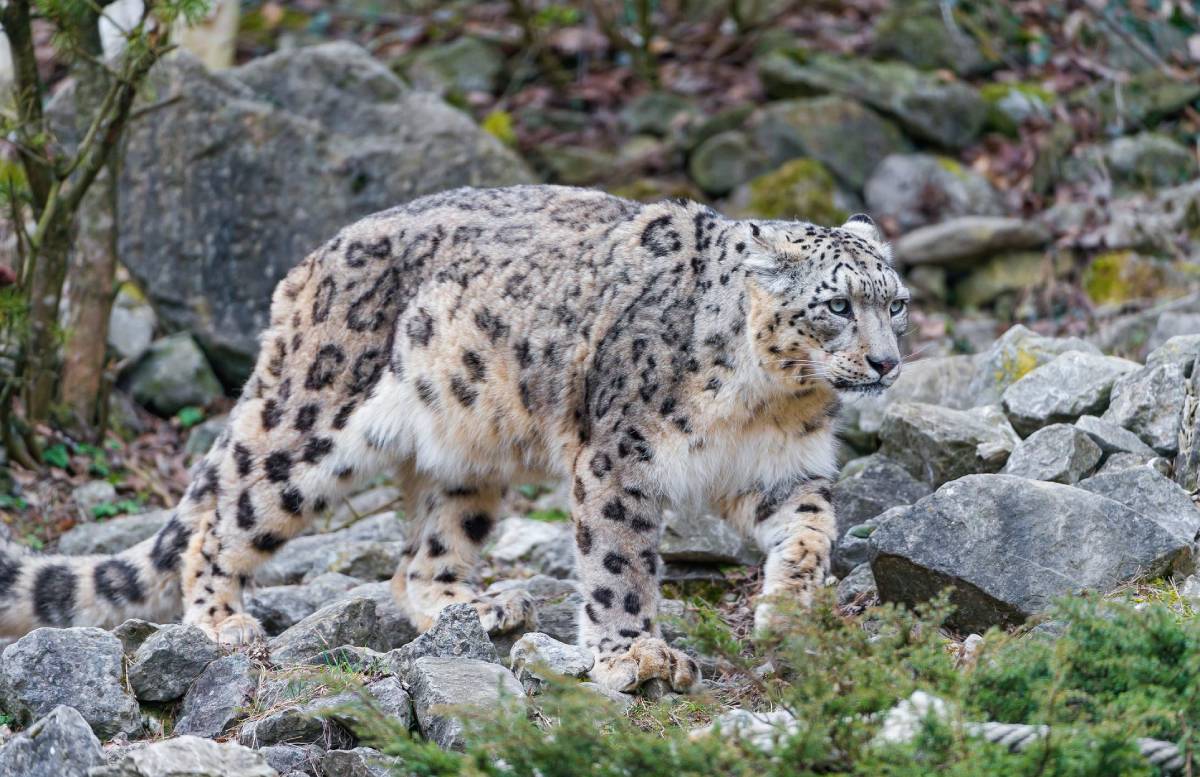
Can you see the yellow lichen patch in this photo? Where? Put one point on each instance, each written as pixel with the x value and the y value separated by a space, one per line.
pixel 801 189
pixel 1018 365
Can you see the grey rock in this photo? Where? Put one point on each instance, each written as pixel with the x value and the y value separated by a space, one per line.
pixel 171 375
pixel 858 584
pixel 1150 403
pixel 298 144
pixel 386 695
pixel 1181 348
pixel 620 702
pixel 364 503
pixel 938 380
pixel 112 536
pixel 915 190
pixel 280 607
pixel 203 435
pixel 938 444
pixel 1010 546
pixel 1012 357
pixel 1114 439
pixel 358 659
pixel 537 657
pixel 1120 461
pixel 690 536
pixel 304 558
pixel 1149 160
pixel 305 759
pixel 359 762
pixel 849 139
pixel 169 660
pixel 93 493
pixel 188 756
pixel 1059 453
pixel 464 65
pixel 440 682
pixel 545 546
pixel 1062 390
pixel 672 620
pixel 80 667
pixel 958 242
pixel 61 744
pixel 658 113
pixel 291 723
pixel 219 697
pixel 949 114
pixel 1156 497
pixel 875 488
pixel 349 622
pixel 131 324
pixel 722 162
pixel 457 632
pixel 854 547
pixel 394 629
pixel 133 632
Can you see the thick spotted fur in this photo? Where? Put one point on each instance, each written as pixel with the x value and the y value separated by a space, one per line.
pixel 653 355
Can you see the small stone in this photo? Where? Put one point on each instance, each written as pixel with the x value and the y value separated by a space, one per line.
pixel 536 658
pixel 1069 386
pixel 169 660
pixel 280 607
pixel 1119 461
pixel 172 375
pixel 131 324
pixel 296 725
pixel 546 546
pixel 61 744
pixel 960 241
pixel 875 488
pixel 1150 403
pixel 438 682
pixel 133 633
pixel 112 536
pixel 92 494
pixel 1152 494
pixel 292 758
pixel 350 622
pixel 387 696
pixel 1180 349
pixel 456 633
pixel 702 538
pixel 79 667
pixel 724 161
pixel 360 762
pixel 203 435
pixel 1112 438
pixel 394 629
pixel 1058 453
pixel 938 444
pixel 856 586
pixel 219 697
pixel 187 756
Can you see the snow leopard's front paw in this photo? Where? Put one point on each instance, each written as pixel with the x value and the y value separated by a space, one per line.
pixel 507 611
pixel 234 631
pixel 646 659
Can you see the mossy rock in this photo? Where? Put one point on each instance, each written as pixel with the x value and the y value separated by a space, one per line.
pixel 725 161
pixel 999 276
pixel 657 190
pixel 464 65
pixel 1010 105
pixel 658 113
pixel 1146 99
pixel 1114 277
pixel 1150 160
pixel 800 190
pixel 575 165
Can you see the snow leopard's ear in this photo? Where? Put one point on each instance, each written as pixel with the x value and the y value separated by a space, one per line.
pixel 761 256
pixel 862 225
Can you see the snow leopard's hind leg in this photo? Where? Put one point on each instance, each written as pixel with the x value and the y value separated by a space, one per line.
pixel 448 525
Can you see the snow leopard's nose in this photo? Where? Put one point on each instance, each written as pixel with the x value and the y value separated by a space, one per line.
pixel 882 365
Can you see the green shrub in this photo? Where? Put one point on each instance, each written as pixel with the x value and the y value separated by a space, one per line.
pixel 1114 672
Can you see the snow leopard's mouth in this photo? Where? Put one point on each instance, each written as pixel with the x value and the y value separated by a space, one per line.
pixel 876 387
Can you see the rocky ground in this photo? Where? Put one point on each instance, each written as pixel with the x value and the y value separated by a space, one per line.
pixel 1035 470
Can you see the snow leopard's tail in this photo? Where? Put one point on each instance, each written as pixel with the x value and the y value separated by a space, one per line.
pixel 106 590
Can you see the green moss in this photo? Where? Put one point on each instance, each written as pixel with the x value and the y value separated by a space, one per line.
pixel 1121 276
pixel 1005 119
pixel 801 189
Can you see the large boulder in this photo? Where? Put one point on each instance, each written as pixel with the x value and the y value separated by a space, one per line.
pixel 187 756
pixel 1155 496
pixel 1010 546
pixel 1150 403
pixel 962 241
pixel 80 667
pixel 219 697
pixel 845 136
pixel 1070 386
pixel 949 114
pixel 913 190
pixel 112 536
pixel 872 490
pixel 171 375
pixel 169 660
pixel 1059 453
pixel 59 745
pixel 440 684
pixel 1014 355
pixel 939 444
pixel 242 173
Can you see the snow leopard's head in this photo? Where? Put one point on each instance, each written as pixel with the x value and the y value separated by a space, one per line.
pixel 826 303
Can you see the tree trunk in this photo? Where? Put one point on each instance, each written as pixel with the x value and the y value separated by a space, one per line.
pixel 45 295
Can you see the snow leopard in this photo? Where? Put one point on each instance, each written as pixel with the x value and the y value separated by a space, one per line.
pixel 651 355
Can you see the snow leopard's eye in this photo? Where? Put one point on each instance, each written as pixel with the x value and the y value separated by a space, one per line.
pixel 898 306
pixel 840 306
